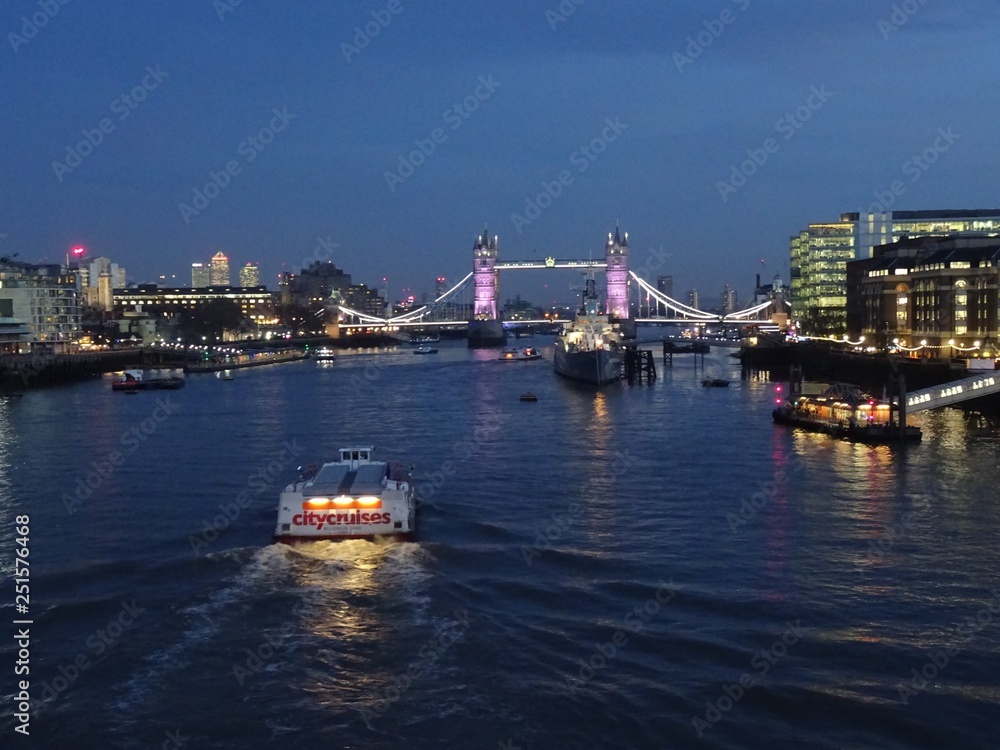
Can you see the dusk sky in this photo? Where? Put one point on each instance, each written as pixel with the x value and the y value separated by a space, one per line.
pixel 874 83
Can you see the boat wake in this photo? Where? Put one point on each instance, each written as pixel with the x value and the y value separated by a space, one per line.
pixel 306 593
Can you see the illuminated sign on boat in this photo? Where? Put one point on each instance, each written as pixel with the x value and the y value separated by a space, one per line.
pixel 340 518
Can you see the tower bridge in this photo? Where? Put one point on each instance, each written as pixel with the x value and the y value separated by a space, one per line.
pixel 485 327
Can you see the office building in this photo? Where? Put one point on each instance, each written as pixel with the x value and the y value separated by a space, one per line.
pixel 728 300
pixel 932 294
pixel 818 289
pixel 200 277
pixel 219 270
pixel 665 285
pixel 250 275
pixel 256 304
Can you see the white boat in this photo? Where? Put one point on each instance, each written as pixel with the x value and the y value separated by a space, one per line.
pixel 324 355
pixel 508 354
pixel 425 350
pixel 353 498
pixel 589 349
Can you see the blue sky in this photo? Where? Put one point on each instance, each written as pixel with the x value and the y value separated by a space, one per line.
pixel 348 124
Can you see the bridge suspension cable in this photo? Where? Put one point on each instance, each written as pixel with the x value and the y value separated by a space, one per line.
pixel 413 315
pixel 744 314
pixel 421 311
pixel 673 304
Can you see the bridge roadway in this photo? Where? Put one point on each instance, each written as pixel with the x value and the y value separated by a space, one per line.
pixel 954 392
pixel 549 263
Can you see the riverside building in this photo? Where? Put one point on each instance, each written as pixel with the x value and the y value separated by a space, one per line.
pixel 39 308
pixel 937 296
pixel 820 253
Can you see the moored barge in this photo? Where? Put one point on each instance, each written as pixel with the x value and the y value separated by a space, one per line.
pixel 843 412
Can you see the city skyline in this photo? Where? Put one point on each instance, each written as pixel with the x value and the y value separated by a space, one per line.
pixel 687 125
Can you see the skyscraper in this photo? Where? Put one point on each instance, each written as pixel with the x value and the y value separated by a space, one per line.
pixel 693 299
pixel 250 275
pixel 200 277
pixel 219 272
pixel 440 287
pixel 665 285
pixel 728 299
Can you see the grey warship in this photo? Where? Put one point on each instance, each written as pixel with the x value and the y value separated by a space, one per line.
pixel 589 350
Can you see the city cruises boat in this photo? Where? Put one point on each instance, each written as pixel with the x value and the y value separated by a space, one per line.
pixel 589 349
pixel 843 411
pixel 353 498
pixel 324 354
pixel 135 380
pixel 425 350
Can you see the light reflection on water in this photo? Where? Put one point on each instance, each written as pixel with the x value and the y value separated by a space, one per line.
pixel 362 612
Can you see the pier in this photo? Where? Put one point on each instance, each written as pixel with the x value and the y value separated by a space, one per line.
pixel 670 348
pixel 248 359
pixel 638 364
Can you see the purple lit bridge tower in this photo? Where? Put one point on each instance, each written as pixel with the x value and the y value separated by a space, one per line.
pixel 486 328
pixel 616 256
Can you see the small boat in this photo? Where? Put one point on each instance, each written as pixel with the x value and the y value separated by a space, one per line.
pixel 715 383
pixel 130 381
pixel 324 355
pixel 135 380
pixel 508 355
pixel 425 350
pixel 227 374
pixel 353 498
pixel 529 353
pixel 528 396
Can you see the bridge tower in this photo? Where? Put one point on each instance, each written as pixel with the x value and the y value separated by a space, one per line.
pixel 486 328
pixel 617 290
pixel 485 277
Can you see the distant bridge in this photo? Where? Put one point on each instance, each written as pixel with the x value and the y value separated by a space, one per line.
pixel 484 282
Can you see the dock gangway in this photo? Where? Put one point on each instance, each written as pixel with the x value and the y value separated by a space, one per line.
pixel 954 392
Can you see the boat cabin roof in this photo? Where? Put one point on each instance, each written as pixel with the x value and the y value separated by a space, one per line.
pixel 340 479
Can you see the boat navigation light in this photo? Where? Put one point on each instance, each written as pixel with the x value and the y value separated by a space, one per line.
pixel 343 501
pixel 319 502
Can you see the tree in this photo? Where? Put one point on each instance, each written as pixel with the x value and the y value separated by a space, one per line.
pixel 211 319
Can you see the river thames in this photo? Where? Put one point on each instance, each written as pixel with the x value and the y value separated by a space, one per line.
pixel 647 566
